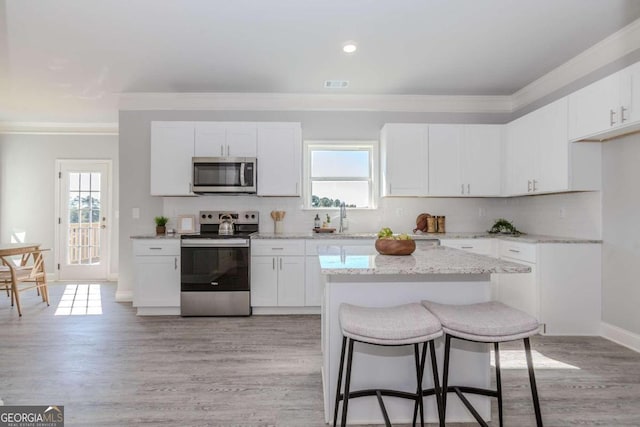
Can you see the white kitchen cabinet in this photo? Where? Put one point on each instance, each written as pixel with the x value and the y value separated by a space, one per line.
pixel 606 108
pixel 313 278
pixel 476 246
pixel 225 139
pixel 563 290
pixel 277 273
pixel 465 160
pixel 539 158
pixel 157 276
pixel 404 158
pixel 279 159
pixel 172 147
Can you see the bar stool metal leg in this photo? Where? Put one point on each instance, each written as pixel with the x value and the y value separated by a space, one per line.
pixel 347 383
pixel 419 373
pixel 498 381
pixel 335 410
pixel 436 383
pixel 445 374
pixel 532 380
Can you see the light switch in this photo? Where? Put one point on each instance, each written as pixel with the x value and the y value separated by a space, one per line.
pixel 135 212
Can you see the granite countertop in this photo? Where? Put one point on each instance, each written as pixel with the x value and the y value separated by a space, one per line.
pixel 155 236
pixel 425 260
pixel 526 238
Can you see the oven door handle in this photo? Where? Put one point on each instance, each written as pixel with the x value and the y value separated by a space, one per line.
pixel 215 243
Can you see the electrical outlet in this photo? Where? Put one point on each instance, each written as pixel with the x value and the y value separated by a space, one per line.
pixel 482 212
pixel 135 213
pixel 563 213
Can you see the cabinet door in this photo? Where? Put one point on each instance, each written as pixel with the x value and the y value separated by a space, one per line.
pixel 405 159
pixel 210 140
pixel 519 152
pixel 520 290
pixel 481 159
pixel 279 159
pixel 313 282
pixel 157 281
pixel 171 153
pixel 264 281
pixel 552 153
pixel 594 109
pixel 444 160
pixel 630 94
pixel 241 140
pixel 291 281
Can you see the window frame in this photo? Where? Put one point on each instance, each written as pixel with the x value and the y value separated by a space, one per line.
pixel 372 146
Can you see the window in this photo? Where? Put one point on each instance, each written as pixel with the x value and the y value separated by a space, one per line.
pixel 340 171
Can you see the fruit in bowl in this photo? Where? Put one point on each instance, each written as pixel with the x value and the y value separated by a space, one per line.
pixel 390 244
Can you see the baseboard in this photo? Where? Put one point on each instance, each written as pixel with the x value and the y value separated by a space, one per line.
pixel 621 336
pixel 124 296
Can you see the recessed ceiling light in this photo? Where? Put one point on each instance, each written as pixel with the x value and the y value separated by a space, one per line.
pixel 349 47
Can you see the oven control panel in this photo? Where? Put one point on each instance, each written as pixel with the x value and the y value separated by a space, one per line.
pixel 216 217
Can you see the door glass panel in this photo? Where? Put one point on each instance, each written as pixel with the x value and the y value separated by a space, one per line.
pixel 84 219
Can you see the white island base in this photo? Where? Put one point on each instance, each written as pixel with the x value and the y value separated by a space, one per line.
pixel 393 367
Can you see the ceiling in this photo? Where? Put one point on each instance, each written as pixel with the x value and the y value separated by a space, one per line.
pixel 67 60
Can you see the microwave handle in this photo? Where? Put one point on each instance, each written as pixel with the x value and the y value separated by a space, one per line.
pixel 242 179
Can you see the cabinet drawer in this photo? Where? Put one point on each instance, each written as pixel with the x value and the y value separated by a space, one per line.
pixel 334 245
pixel 156 247
pixel 478 246
pixel 277 247
pixel 519 251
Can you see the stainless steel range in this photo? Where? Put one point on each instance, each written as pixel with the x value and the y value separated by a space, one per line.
pixel 214 275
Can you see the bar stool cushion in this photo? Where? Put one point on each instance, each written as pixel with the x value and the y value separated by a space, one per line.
pixel 399 325
pixel 485 322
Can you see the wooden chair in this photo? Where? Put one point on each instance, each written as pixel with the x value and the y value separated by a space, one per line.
pixel 28 274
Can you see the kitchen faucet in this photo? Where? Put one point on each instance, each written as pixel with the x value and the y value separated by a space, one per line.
pixel 343 216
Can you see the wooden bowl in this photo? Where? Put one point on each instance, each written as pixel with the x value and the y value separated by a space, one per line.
pixel 395 247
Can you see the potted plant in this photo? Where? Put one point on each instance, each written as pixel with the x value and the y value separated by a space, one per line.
pixel 161 222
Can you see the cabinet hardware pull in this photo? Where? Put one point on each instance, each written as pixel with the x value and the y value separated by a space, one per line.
pixel 535 188
pixel 466 247
pixel 514 250
pixel 280 263
pixel 468 188
pixel 622 117
pixel 228 152
pixel 612 114
pixel 277 249
pixel 156 249
pixel 273 263
pixel 528 186
pixel 222 150
pixel 461 188
pixel 175 263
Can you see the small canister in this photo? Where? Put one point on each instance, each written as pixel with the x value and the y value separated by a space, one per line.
pixel 441 224
pixel 432 225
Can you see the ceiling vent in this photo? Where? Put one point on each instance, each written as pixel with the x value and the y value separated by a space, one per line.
pixel 336 84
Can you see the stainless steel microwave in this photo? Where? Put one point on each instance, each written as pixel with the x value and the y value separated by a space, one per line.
pixel 224 174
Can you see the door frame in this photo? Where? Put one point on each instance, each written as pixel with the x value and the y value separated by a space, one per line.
pixel 57 259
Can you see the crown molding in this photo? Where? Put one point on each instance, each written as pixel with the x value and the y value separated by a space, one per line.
pixel 610 49
pixel 314 102
pixel 50 128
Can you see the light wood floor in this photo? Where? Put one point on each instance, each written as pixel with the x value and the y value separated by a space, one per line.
pixel 117 369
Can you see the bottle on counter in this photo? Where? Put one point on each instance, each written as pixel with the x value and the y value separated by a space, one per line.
pixel 316 221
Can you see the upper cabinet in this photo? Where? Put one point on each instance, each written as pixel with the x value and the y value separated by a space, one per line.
pixel 464 160
pixel 607 108
pixel 279 159
pixel 172 145
pixel 540 159
pixel 222 139
pixel 404 159
pixel 441 160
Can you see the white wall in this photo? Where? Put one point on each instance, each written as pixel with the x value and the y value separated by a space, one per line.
pixel 621 233
pixel 28 184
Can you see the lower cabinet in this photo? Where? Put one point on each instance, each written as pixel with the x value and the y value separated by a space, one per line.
pixel 157 276
pixel 563 289
pixel 277 273
pixel 477 246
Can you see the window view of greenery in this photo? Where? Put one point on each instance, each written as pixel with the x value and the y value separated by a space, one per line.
pixel 340 175
pixel 84 218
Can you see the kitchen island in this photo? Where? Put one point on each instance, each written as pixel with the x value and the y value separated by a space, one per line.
pixel 435 273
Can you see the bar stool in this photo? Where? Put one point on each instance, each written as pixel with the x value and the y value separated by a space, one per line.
pixel 490 322
pixel 389 326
